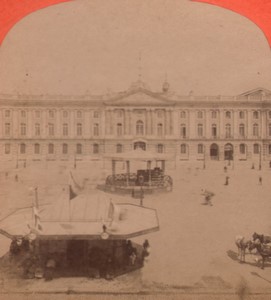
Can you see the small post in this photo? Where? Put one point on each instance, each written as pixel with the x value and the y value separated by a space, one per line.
pixel 74 163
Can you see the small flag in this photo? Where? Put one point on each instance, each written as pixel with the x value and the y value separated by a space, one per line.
pixel 72 193
pixel 38 225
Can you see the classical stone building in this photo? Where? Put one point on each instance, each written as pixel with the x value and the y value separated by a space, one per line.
pixel 88 127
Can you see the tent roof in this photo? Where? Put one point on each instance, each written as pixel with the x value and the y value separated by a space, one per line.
pixel 139 154
pixel 83 218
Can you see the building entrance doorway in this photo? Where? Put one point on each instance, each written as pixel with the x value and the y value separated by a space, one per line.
pixel 228 152
pixel 214 152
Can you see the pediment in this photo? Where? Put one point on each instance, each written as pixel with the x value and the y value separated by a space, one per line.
pixel 259 92
pixel 140 99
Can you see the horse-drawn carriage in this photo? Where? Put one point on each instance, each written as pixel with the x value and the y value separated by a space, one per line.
pixel 260 242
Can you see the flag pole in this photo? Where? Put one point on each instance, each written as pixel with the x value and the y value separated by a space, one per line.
pixel 69 202
pixel 36 198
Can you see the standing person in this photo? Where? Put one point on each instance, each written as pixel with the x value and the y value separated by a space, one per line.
pixel 260 180
pixel 227 180
pixel 225 169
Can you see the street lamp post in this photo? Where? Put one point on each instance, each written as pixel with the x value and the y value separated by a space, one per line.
pixel 141 180
pixel 204 157
pixel 260 158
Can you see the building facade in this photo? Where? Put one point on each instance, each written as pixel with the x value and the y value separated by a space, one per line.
pixel 89 127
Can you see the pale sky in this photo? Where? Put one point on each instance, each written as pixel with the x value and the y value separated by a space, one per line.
pixel 94 45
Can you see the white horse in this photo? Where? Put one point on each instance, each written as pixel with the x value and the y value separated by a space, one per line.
pixel 242 244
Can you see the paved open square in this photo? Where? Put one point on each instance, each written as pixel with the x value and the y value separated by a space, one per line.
pixel 194 250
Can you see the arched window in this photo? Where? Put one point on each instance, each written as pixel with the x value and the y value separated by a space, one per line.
pixel 200 130
pixel 51 149
pixel 79 148
pixel 160 129
pixel 37 148
pixel 7 148
pixel 200 149
pixel 242 130
pixel 183 114
pixel 214 130
pixel 37 129
pixel 242 149
pixel 183 130
pixel 200 114
pixel 96 129
pixel 255 130
pixel 78 129
pixel 23 129
pixel 255 115
pixel 65 129
pixel 183 149
pixel 119 129
pixel 228 131
pixel 160 148
pixel 269 148
pixel 65 149
pixel 22 148
pixel 139 128
pixel 228 114
pixel 7 129
pixel 214 114
pixel 256 148
pixel 119 148
pixel 7 113
pixel 51 128
pixel 79 114
pixel 95 148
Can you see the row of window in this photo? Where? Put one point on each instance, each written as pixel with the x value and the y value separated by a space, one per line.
pixel 160 114
pixel 65 148
pixel 228 130
pixel 139 129
pixel 119 148
pixel 52 114
pixel 242 148
pixel 79 129
pixel 51 129
pixel 228 114
pixel 51 148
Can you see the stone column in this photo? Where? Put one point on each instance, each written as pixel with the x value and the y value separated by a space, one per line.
pixel 127 172
pixel 111 122
pixel 171 131
pixel 221 124
pixel 152 121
